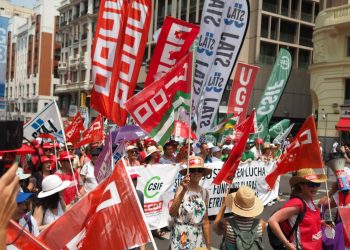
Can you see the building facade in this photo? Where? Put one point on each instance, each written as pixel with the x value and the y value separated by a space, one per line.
pixel 273 24
pixel 32 60
pixel 330 72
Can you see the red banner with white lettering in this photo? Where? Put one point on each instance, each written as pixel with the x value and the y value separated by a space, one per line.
pixel 153 108
pixel 93 134
pixel 175 39
pixel 19 237
pixel 109 217
pixel 303 152
pixel 73 130
pixel 119 45
pixel 241 91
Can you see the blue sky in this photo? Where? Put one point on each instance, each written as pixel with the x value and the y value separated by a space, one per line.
pixel 25 3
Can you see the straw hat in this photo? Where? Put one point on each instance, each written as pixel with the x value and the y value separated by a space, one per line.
pixel 51 185
pixel 150 150
pixel 196 162
pixel 307 175
pixel 244 202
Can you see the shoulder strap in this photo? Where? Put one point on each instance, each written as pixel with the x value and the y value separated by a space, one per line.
pixel 299 218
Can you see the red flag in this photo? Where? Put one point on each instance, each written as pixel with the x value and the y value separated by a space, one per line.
pixel 119 44
pixel 241 91
pixel 19 237
pixel 345 218
pixel 154 107
pixel 73 130
pixel 109 217
pixel 303 152
pixel 93 134
pixel 181 130
pixel 175 39
pixel 228 170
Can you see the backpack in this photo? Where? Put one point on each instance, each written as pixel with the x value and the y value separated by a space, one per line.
pixel 275 242
pixel 245 239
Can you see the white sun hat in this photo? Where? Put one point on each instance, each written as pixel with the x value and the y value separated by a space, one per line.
pixel 51 185
pixel 20 173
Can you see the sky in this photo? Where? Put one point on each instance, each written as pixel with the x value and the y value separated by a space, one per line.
pixel 25 3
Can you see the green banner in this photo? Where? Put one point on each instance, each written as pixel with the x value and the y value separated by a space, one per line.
pixel 279 128
pixel 275 86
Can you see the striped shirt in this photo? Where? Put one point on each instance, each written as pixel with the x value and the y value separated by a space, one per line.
pixel 244 224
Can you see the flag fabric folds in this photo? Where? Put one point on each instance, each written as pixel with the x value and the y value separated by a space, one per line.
pixel 175 39
pixel 109 217
pixel 119 44
pixel 157 106
pixel 303 152
pixel 93 134
pixel 228 170
pixel 73 130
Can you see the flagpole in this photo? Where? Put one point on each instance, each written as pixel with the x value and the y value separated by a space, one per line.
pixel 141 209
pixel 189 126
pixel 65 143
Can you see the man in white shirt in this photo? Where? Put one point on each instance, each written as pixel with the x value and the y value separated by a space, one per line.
pixel 87 174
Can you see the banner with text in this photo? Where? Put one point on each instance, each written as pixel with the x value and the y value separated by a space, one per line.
pixel 208 41
pixel 275 86
pixel 47 121
pixel 159 182
pixel 236 20
pixel 241 90
pixel 175 39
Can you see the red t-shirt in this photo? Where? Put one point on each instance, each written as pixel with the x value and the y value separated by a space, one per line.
pixel 309 228
pixel 70 192
pixel 344 199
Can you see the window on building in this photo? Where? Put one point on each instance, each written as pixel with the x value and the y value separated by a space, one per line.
pixel 29 107
pixel 27 90
pixel 294 8
pixel 306 36
pixel 34 89
pixel 304 59
pixel 270 6
pixel 348 46
pixel 24 107
pixel 284 8
pixel 306 11
pixel 35 107
pixel 267 53
pixel 288 31
pixel 274 25
pixel 347 91
pixel 265 26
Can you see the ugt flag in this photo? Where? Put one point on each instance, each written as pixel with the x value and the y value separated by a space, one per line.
pixel 109 217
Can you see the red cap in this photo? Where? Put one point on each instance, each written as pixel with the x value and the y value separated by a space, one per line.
pixel 259 141
pixel 45 159
pixel 47 145
pixel 134 176
pixel 64 156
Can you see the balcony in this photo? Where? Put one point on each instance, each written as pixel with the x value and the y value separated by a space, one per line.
pixel 62 67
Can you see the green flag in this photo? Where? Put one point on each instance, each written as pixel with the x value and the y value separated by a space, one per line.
pixel 279 128
pixel 263 130
pixel 275 86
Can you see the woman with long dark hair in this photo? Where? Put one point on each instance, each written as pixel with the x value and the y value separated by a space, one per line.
pixel 51 204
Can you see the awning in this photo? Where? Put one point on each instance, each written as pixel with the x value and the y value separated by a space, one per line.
pixel 343 124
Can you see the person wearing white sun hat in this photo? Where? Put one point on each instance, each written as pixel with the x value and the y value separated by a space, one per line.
pixel 51 204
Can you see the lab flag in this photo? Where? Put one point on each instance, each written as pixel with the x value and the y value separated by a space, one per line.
pixel 47 121
pixel 303 152
pixel 109 217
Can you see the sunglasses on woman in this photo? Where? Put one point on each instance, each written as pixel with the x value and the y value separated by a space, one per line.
pixel 313 184
pixel 196 170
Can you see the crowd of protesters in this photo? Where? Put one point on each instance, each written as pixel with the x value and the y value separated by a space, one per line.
pixel 52 179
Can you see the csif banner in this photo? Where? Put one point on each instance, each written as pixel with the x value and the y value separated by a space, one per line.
pixel 235 25
pixel 241 90
pixel 47 121
pixel 175 39
pixel 275 86
pixel 119 44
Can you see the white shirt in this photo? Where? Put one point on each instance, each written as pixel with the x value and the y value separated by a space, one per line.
pixel 257 152
pixel 35 228
pixel 90 180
